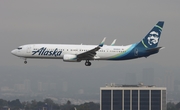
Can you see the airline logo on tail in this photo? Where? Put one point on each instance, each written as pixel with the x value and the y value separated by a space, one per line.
pixel 153 38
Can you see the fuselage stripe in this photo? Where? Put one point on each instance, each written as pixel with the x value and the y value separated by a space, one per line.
pixel 144 44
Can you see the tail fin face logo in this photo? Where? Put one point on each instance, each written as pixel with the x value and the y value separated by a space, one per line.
pixel 153 38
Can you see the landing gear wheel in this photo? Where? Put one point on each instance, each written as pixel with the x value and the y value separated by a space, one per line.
pixel 25 62
pixel 87 63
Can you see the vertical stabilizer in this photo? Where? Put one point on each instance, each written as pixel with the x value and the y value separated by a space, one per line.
pixel 151 40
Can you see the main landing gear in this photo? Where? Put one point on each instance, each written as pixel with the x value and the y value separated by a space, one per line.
pixel 87 63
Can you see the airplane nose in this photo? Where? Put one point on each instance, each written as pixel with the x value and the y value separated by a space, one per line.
pixel 13 52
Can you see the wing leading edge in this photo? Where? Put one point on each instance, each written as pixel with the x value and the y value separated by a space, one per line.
pixel 89 55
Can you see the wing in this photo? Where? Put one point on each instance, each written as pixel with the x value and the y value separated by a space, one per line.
pixel 89 55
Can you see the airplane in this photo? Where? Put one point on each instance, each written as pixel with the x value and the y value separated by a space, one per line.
pixel 77 53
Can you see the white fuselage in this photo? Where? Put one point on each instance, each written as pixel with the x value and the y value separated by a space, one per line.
pixel 57 51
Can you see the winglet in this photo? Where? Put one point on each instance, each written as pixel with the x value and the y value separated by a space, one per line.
pixel 102 43
pixel 112 44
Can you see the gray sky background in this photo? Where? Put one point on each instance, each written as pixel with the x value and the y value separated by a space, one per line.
pixel 88 22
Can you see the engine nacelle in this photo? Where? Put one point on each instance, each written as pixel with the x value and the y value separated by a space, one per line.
pixel 70 58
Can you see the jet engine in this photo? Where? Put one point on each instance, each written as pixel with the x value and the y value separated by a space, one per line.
pixel 70 58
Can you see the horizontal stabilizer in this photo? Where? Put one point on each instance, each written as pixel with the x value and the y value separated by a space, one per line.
pixel 154 49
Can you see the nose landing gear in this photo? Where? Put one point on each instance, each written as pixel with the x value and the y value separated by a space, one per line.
pixel 87 63
pixel 25 62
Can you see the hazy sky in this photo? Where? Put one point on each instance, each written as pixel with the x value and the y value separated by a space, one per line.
pixel 88 22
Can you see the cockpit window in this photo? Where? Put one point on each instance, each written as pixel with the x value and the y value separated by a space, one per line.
pixel 19 48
